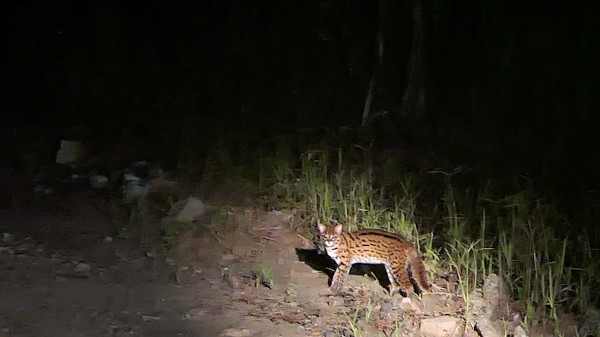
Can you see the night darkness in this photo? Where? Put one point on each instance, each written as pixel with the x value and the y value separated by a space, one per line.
pixel 506 88
pixel 507 91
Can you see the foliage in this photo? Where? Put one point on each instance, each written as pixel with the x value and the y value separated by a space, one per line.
pixel 263 275
pixel 519 236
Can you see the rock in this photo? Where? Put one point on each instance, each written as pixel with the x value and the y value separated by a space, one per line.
pixel 591 322
pixel 83 269
pixel 330 333
pixel 368 329
pixel 24 248
pixel 592 315
pixel 7 238
pixel 318 321
pixel 99 181
pixel 495 290
pixel 406 304
pixel 235 332
pixel 188 210
pixel 519 332
pixel 486 328
pixel 58 258
pixel 195 314
pixel 161 185
pixel 387 307
pixel 150 318
pixel 228 257
pixel 335 301
pixel 439 326
pixel 479 306
pixel 39 189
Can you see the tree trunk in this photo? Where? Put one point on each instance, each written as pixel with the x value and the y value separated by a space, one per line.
pixel 413 101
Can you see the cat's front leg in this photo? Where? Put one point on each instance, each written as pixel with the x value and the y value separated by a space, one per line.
pixel 339 277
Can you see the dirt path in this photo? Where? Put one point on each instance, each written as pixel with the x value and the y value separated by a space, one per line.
pixel 60 276
pixel 251 276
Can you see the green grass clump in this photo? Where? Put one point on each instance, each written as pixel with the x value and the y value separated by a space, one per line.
pixel 472 230
pixel 516 237
pixel 346 195
pixel 263 275
pixel 466 224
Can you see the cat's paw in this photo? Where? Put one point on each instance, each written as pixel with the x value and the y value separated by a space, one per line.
pixel 336 288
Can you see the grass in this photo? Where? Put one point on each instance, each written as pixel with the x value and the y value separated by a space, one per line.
pixel 353 323
pixel 465 228
pixel 484 231
pixel 262 274
pixel 526 253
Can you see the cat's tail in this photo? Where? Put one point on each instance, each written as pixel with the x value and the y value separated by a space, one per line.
pixel 419 273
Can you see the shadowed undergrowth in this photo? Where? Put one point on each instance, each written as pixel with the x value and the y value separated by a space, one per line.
pixel 467 226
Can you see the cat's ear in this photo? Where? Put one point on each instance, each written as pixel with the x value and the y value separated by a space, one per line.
pixel 322 228
pixel 338 229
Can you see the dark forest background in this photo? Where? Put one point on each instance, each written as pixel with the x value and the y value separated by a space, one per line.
pixel 508 88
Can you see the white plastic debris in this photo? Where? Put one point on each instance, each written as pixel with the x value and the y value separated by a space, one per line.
pixel 134 188
pixel 69 152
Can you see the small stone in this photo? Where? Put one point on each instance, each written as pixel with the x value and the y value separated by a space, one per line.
pixel 99 181
pixel 108 239
pixel 57 258
pixel 39 189
pixel 188 210
pixel 24 248
pixel 330 333
pixel 123 233
pixel 387 307
pixel 335 301
pixel 228 257
pixel 195 314
pixel 406 304
pixel 439 326
pixel 318 321
pixel 591 320
pixel 481 307
pixel 488 329
pixel 495 290
pixel 235 332
pixel 369 330
pixel 149 318
pixel 7 237
pixel 519 332
pixel 83 268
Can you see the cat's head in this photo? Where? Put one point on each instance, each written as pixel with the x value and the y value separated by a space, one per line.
pixel 330 234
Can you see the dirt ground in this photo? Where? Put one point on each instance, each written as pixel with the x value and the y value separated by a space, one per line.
pixel 64 272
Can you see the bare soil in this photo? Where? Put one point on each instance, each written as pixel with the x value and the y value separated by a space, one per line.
pixel 64 271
